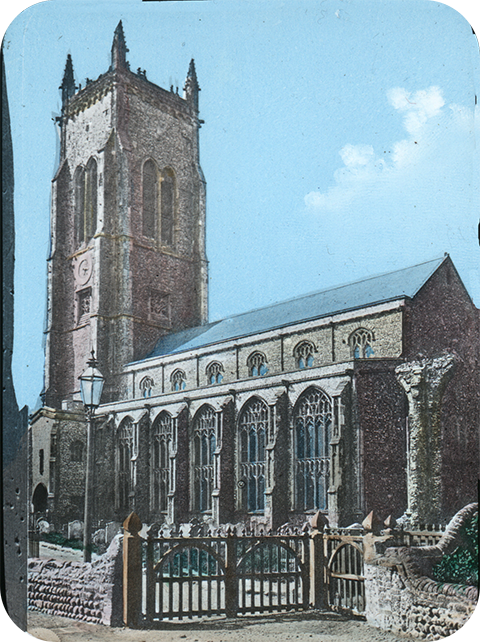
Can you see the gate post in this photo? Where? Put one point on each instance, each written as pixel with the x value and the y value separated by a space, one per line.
pixel 231 598
pixel 132 570
pixel 317 562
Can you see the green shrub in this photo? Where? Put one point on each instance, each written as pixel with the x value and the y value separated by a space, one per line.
pixel 461 566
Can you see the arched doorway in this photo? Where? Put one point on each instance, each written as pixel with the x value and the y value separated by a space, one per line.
pixel 40 499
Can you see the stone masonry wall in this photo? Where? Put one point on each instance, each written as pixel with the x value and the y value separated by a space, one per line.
pixel 91 592
pixel 421 608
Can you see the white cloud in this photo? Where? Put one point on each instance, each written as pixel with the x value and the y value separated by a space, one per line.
pixel 363 170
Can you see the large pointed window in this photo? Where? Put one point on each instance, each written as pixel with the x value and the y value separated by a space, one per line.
pixel 161 440
pixel 204 444
pixel 252 435
pixel 312 423
pixel 150 199
pixel 124 459
pixel 86 197
pixel 167 206
pixel 361 343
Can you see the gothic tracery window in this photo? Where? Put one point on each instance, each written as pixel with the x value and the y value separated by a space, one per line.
pixel 204 444
pixel 214 372
pixel 257 364
pixel 178 380
pixel 150 198
pixel 252 436
pixel 161 440
pixel 85 185
pixel 304 352
pixel 124 458
pixel 361 343
pixel 312 423
pixel 146 385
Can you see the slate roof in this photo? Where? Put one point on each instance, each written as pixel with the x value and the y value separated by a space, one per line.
pixel 351 296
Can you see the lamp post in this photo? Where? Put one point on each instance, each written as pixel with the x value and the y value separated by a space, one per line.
pixel 91 386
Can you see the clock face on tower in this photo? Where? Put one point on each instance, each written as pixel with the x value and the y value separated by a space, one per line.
pixel 83 269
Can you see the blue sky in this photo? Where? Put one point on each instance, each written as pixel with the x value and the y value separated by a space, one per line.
pixel 339 139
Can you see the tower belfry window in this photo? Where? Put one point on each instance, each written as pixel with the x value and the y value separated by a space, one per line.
pixel 167 206
pixel 150 198
pixel 86 202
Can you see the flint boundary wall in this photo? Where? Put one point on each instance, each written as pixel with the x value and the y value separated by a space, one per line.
pixel 91 592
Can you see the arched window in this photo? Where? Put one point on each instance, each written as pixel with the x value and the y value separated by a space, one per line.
pixel 312 423
pixel 146 385
pixel 257 364
pixel 161 440
pixel 252 435
pixel 214 372
pixel 86 204
pixel 203 446
pixel 76 451
pixel 361 343
pixel 125 454
pixel 178 380
pixel 41 461
pixel 150 199
pixel 167 206
pixel 303 353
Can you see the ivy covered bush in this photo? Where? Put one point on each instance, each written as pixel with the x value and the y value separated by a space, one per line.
pixel 461 566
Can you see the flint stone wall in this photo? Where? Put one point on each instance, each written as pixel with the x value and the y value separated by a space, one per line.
pixel 420 607
pixel 91 592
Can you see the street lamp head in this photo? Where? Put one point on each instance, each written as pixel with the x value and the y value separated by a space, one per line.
pixel 91 384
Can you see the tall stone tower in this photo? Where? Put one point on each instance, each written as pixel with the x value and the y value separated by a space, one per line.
pixel 127 260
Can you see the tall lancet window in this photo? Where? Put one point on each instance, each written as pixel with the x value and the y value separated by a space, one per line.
pixel 252 435
pixel 150 199
pixel 161 439
pixel 86 202
pixel 204 444
pixel 124 463
pixel 312 422
pixel 167 206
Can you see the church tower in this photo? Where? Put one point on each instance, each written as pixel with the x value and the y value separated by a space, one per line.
pixel 127 261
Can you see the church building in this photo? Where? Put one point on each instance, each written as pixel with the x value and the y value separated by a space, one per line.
pixel 356 398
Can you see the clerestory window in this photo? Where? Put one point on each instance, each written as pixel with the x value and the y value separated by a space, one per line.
pixel 361 343
pixel 257 364
pixel 146 385
pixel 303 353
pixel 214 372
pixel 178 380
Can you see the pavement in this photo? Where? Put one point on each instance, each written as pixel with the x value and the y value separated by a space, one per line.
pixel 313 626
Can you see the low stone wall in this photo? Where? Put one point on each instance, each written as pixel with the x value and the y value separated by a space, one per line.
pixel 81 590
pixel 419 607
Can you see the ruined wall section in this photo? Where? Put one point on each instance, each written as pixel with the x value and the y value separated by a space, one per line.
pixel 443 319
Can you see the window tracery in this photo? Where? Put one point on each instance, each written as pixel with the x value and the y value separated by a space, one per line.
pixel 124 454
pixel 304 352
pixel 146 385
pixel 204 444
pixel 312 424
pixel 361 343
pixel 214 372
pixel 257 364
pixel 161 441
pixel 252 435
pixel 178 380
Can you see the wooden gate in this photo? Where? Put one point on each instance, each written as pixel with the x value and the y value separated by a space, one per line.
pixel 192 577
pixel 344 580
